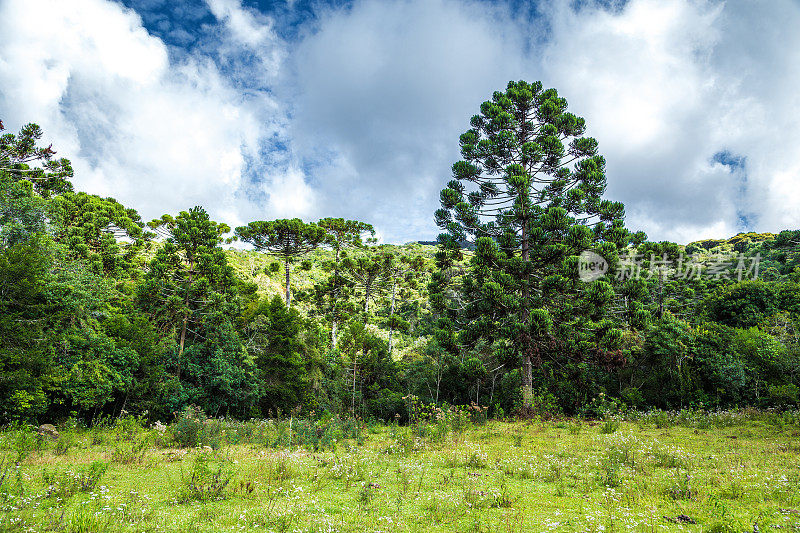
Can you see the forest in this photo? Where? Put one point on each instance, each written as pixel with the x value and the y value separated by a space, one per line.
pixel 103 313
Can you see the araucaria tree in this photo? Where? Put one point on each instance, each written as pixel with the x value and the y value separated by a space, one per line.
pixel 527 194
pixel 284 238
pixel 340 235
pixel 188 275
pixel 368 274
pixel 19 152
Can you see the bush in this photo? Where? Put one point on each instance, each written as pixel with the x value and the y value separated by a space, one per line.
pixel 131 452
pixel 208 480
pixel 65 441
pixel 128 427
pixel 188 429
pixel 65 484
pixel 24 441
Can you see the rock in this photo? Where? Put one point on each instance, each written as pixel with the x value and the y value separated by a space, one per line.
pixel 48 430
pixel 680 519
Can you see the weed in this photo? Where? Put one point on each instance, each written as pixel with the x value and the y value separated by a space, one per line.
pixel 131 452
pixel 610 425
pixel 681 489
pixel 367 493
pixel 87 519
pixel 501 497
pixel 476 459
pixel 25 441
pixel 574 427
pixel 667 458
pixel 207 481
pixel 188 429
pixel 64 443
pixel 479 480
pixel 65 484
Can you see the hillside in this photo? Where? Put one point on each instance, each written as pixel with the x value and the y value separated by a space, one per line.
pixel 267 272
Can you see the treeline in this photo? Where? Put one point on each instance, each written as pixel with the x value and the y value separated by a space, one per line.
pixel 101 312
pixel 559 287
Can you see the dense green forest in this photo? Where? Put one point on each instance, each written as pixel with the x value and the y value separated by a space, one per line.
pixel 101 311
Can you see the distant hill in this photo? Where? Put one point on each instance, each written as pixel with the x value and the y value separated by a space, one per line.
pixel 464 244
pixel 738 243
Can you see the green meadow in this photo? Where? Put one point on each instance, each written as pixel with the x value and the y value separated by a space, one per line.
pixel 658 471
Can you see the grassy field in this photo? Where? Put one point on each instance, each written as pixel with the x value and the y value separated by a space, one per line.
pixel 730 471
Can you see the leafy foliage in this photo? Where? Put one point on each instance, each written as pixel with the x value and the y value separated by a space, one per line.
pixel 100 313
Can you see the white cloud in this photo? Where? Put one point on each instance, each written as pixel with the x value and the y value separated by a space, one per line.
pixel 361 116
pixel 385 90
pixel 666 85
pixel 249 29
pixel 160 136
pixel 290 196
pixel 243 23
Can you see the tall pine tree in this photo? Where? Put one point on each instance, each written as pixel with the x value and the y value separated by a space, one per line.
pixel 341 234
pixel 528 195
pixel 284 238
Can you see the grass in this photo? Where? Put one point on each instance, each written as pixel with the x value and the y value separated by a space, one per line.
pixel 649 474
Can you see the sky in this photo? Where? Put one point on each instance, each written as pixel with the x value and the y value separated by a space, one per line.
pixel 259 110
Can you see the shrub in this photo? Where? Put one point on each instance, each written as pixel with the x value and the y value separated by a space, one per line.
pixel 65 441
pixel 65 484
pixel 131 452
pixel 25 441
pixel 610 425
pixel 209 478
pixel 127 427
pixel 188 429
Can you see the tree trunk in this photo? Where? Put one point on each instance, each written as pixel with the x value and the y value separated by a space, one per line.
pixel 288 292
pixel 527 368
pixel 355 367
pixel 185 317
pixel 491 394
pixel 439 373
pixel 391 316
pixel 335 320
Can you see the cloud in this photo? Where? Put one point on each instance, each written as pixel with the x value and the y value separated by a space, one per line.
pixel 385 88
pixel 246 30
pixel 665 86
pixel 358 114
pixel 160 135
